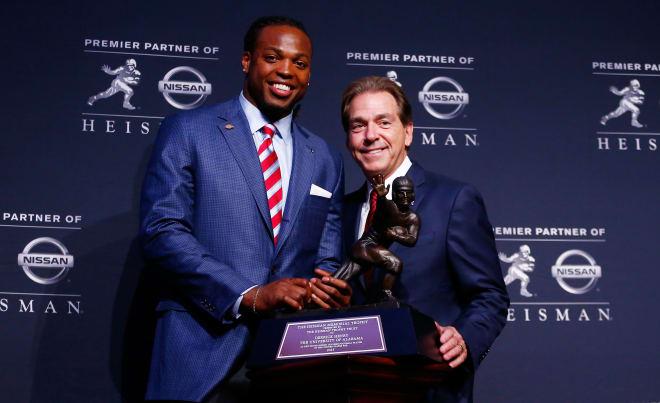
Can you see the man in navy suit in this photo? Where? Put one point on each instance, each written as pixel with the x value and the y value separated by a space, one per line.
pixel 452 274
pixel 224 240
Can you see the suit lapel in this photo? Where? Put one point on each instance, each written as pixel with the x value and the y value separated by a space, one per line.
pixel 416 174
pixel 299 183
pixel 351 215
pixel 234 127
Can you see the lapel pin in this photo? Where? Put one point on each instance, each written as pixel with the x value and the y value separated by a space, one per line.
pixel 229 126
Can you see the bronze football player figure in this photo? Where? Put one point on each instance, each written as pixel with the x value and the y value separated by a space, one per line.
pixel 393 221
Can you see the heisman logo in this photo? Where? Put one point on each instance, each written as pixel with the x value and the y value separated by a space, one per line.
pixel 167 86
pixel 127 75
pixel 394 77
pixel 590 271
pixel 631 96
pixel 61 262
pixel 522 262
pixel 459 97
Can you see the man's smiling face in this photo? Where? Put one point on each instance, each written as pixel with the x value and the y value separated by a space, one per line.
pixel 278 70
pixel 376 137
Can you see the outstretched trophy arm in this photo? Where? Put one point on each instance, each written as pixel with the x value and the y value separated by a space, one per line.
pixel 348 270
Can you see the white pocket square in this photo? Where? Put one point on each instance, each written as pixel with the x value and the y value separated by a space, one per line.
pixel 319 191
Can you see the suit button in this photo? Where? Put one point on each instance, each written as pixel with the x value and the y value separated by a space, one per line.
pixel 273 270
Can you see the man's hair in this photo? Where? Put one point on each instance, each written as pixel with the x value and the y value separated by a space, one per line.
pixel 250 39
pixel 375 84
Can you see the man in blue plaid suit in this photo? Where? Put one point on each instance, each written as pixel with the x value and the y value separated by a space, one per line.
pixel 208 228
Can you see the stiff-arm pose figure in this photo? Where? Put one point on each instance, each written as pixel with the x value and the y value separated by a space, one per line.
pixel 127 75
pixel 522 262
pixel 393 220
pixel 632 96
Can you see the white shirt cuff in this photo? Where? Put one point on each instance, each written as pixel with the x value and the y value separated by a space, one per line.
pixel 234 314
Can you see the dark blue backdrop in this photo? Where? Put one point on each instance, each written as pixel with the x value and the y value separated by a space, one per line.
pixel 537 77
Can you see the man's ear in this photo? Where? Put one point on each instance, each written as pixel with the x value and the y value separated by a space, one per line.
pixel 245 61
pixel 408 130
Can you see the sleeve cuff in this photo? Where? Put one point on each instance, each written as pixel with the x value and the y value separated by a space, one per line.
pixel 234 314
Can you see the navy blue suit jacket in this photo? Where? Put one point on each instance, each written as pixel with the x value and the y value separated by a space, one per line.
pixel 206 227
pixel 452 274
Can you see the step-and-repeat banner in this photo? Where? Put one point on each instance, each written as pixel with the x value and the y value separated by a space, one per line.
pixel 552 110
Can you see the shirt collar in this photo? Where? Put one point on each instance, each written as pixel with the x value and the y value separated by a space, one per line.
pixel 402 170
pixel 257 120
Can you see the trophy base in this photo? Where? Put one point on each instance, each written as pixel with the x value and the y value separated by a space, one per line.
pixel 385 329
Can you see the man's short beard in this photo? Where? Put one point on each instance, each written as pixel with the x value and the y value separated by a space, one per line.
pixel 273 112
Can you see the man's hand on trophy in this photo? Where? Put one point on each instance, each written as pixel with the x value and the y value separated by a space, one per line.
pixel 330 292
pixel 293 292
pixel 378 183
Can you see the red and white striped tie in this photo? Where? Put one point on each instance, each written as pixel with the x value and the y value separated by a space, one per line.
pixel 270 166
pixel 373 201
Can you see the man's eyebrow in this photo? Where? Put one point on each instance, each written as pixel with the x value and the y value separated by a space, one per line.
pixel 384 116
pixel 276 50
pixel 279 52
